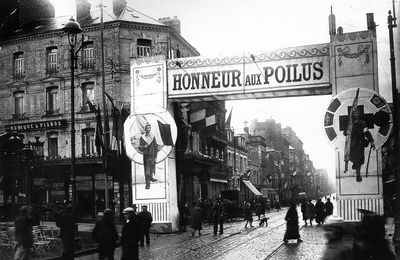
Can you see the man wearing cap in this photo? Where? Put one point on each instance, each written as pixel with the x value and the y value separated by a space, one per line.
pixel 145 220
pixel 131 234
pixel 149 147
pixel 339 239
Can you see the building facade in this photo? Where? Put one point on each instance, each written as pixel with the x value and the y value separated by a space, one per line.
pixel 35 99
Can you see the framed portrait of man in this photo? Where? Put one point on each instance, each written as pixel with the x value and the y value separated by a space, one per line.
pixel 150 136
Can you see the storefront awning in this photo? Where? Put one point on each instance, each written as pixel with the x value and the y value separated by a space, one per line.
pixel 251 187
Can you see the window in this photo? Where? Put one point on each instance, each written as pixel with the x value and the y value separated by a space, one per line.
pixel 52 60
pixel 53 145
pixel 19 61
pixel 87 94
pixel 88 142
pixel 88 57
pixel 196 139
pixel 143 47
pixel 18 105
pixel 51 100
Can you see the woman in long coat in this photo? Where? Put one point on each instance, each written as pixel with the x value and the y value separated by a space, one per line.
pixel 248 215
pixel 197 219
pixel 292 224
pixel 319 212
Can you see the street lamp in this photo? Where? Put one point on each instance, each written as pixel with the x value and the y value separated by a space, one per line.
pixel 72 28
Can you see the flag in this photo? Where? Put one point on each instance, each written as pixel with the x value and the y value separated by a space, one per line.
pixel 202 119
pixel 165 132
pixel 228 120
pixel 99 128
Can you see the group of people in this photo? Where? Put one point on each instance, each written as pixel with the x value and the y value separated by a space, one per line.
pixel 216 216
pixel 319 211
pixel 135 232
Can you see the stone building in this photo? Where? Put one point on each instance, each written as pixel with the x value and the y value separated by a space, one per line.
pixel 35 101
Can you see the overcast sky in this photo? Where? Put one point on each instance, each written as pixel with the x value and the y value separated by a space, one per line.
pixel 229 27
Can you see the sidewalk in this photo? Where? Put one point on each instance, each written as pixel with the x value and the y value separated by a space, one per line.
pixel 313 245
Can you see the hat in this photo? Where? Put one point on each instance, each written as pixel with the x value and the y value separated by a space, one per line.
pixel 128 210
pixel 334 221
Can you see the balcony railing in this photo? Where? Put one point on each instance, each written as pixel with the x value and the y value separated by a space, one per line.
pixel 52 69
pixel 52 112
pixel 18 74
pixel 18 116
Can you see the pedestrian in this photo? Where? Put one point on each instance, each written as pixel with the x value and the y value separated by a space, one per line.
pixel 258 210
pixel 370 241
pixel 197 221
pixel 319 212
pixel 277 205
pixel 310 210
pixel 184 216
pixel 248 215
pixel 105 234
pixel 219 216
pixel 304 211
pixel 210 211
pixel 68 229
pixel 339 240
pixel 23 235
pixel 292 224
pixel 130 236
pixel 145 220
pixel 328 207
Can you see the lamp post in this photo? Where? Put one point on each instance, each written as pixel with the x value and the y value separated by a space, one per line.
pixel 72 28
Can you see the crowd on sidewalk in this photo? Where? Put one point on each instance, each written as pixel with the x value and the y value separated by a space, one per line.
pixel 364 240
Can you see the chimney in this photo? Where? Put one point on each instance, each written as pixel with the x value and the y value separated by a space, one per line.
pixel 34 10
pixel 83 10
pixel 119 6
pixel 175 23
pixel 370 22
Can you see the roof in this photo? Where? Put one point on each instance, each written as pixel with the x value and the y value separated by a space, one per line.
pixel 128 14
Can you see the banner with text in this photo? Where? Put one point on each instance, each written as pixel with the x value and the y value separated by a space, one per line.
pixel 294 68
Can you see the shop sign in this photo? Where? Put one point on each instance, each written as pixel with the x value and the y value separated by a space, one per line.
pixel 33 126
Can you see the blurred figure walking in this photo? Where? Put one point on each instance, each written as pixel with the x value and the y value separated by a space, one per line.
pixel 292 224
pixel 145 219
pixel 68 229
pixel 370 241
pixel 23 235
pixel 218 216
pixel 106 235
pixel 328 207
pixel 131 234
pixel 319 212
pixel 339 240
pixel 197 219
pixel 248 214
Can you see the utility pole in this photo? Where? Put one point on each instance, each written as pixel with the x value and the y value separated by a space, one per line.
pixel 392 24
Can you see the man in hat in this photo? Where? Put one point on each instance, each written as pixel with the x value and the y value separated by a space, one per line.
pixel 339 239
pixel 149 147
pixel 131 234
pixel 145 220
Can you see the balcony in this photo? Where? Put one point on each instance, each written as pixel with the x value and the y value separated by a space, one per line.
pixel 18 116
pixel 51 70
pixel 52 112
pixel 18 75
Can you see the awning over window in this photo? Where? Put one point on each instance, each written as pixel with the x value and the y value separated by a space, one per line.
pixel 251 187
